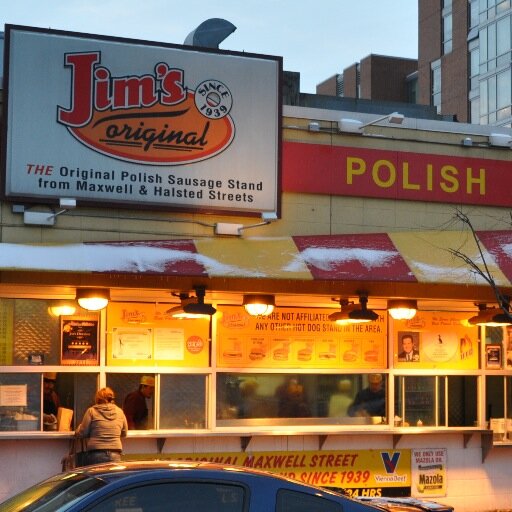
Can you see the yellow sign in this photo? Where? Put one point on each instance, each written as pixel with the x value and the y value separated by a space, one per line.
pixel 435 340
pixel 359 472
pixel 6 331
pixel 145 335
pixel 298 338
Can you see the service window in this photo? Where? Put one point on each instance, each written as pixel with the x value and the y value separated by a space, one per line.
pixel 49 401
pixel 498 400
pixel 440 401
pixel 254 398
pixel 183 401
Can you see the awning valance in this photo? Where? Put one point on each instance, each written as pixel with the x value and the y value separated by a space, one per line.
pixel 404 257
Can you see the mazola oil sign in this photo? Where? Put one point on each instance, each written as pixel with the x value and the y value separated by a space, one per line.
pixel 107 120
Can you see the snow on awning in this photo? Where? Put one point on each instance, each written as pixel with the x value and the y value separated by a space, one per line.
pixel 405 257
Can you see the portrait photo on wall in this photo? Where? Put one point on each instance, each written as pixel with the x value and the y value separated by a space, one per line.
pixel 408 347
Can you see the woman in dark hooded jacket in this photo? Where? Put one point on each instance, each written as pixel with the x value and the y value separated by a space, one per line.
pixel 103 425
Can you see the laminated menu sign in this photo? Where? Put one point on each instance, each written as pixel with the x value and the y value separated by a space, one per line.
pixel 79 337
pixel 296 337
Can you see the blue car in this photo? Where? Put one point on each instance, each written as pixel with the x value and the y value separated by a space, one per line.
pixel 177 486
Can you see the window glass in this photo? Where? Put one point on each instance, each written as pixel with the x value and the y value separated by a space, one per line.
pixel 447 33
pixel 473 9
pixel 189 496
pixel 462 401
pixel 183 401
pixel 484 105
pixel 491 45
pixel 474 62
pixel 475 110
pixel 291 501
pixel 20 408
pixel 136 397
pixel 504 89
pixel 49 401
pixel 494 397
pixel 290 398
pixel 508 391
pixel 483 50
pixel 436 401
pixel 502 6
pixel 415 401
pixel 503 35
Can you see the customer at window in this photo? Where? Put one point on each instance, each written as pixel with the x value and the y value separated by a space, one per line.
pixel 370 401
pixel 51 401
pixel 135 406
pixel 103 425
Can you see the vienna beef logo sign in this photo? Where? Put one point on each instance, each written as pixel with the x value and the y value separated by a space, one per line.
pixel 151 119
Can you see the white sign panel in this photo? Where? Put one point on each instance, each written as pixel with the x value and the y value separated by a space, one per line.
pixel 429 472
pixel 106 120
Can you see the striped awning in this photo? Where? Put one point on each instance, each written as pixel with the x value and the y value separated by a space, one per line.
pixel 424 257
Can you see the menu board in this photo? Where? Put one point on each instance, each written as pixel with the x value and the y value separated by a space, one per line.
pixel 439 339
pixel 298 338
pixel 145 334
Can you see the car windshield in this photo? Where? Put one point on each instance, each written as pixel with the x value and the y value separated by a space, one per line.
pixel 56 493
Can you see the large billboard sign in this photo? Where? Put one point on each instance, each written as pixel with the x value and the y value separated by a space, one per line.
pixel 115 121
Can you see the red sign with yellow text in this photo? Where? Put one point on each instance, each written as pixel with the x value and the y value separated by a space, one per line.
pixel 384 174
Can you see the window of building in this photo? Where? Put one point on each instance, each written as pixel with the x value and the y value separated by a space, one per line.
pixel 411 83
pixel 496 98
pixel 474 64
pixel 436 400
pixel 436 84
pixel 447 36
pixel 498 394
pixel 473 13
pixel 475 110
pixel 336 398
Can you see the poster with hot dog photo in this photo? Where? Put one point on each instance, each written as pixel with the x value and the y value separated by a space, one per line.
pixel 298 338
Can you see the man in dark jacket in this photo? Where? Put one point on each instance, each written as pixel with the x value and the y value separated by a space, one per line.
pixel 135 407
pixel 370 401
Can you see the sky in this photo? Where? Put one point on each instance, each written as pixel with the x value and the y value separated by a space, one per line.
pixel 317 39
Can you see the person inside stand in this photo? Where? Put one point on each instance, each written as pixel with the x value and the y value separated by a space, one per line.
pixel 135 407
pixel 51 401
pixel 340 401
pixel 409 351
pixel 370 401
pixel 103 425
pixel 292 401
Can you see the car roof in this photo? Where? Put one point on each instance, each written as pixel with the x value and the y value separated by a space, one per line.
pixel 181 469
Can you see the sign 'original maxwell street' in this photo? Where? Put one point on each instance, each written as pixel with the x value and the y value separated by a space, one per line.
pixel 108 120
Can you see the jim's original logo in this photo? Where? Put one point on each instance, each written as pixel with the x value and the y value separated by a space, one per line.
pixel 152 119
